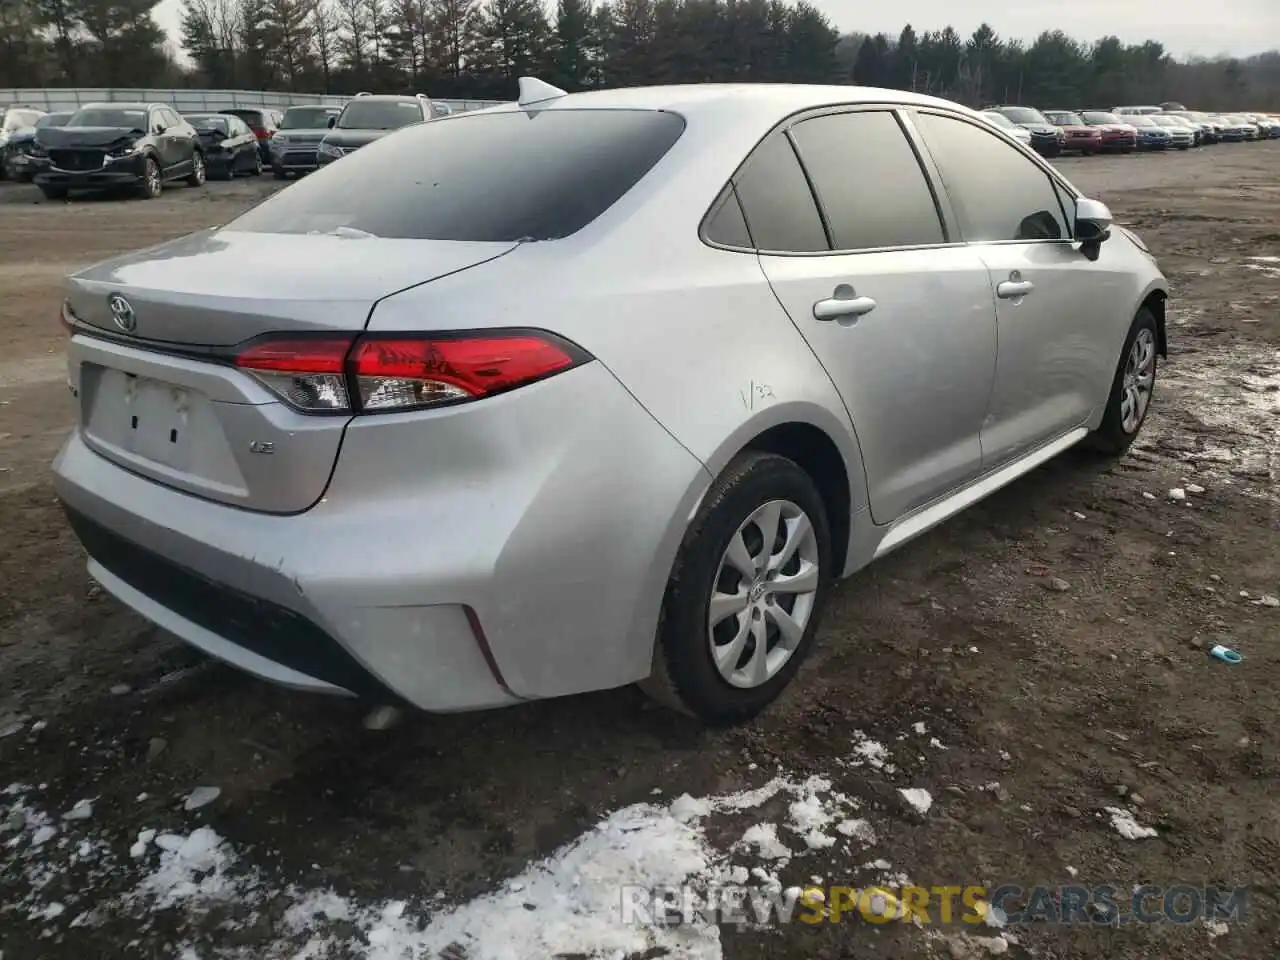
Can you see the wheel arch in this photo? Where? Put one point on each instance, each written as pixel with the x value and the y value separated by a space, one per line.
pixel 1156 300
pixel 821 445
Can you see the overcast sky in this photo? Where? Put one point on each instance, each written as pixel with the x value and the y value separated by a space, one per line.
pixel 1237 27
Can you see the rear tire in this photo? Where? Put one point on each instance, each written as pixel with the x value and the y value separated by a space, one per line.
pixel 257 165
pixel 771 618
pixel 197 177
pixel 1132 388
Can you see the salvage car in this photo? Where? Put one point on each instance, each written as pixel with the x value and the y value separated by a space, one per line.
pixel 230 147
pixel 368 118
pixel 1021 134
pixel 1046 139
pixel 137 146
pixel 592 389
pixel 1117 135
pixel 15 154
pixel 296 143
pixel 1081 137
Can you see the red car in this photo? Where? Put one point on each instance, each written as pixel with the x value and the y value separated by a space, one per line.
pixel 1081 137
pixel 1117 136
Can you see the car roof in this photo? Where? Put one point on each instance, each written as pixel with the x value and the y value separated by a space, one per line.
pixel 117 105
pixel 760 101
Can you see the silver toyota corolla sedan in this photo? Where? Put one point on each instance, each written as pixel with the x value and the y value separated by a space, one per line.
pixel 592 389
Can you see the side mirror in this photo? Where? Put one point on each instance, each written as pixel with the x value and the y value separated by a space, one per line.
pixel 333 122
pixel 1093 221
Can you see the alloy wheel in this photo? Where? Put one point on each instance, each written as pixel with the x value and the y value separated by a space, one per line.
pixel 1139 379
pixel 763 594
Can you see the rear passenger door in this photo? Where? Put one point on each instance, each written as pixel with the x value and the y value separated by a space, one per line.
pixel 1057 311
pixel 900 312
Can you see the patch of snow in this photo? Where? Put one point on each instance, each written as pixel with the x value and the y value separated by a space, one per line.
pixel 1127 826
pixel 868 751
pixel 764 838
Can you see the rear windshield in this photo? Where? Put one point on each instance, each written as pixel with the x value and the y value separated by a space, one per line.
pixel 208 122
pixel 306 118
pixel 252 117
pixel 489 177
pixel 380 114
pixel 135 119
pixel 53 120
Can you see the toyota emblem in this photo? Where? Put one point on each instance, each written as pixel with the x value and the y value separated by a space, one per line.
pixel 122 313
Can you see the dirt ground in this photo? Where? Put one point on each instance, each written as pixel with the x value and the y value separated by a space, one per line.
pixel 1048 705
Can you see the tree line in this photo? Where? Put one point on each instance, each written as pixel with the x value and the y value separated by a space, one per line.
pixel 476 49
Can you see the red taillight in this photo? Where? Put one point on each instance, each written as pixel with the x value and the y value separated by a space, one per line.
pixel 262 133
pixel 391 373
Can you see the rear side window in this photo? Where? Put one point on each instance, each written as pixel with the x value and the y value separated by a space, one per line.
pixel 868 180
pixel 777 202
pixel 487 177
pixel 998 193
pixel 726 225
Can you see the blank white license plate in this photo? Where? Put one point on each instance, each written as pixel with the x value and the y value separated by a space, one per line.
pixel 147 418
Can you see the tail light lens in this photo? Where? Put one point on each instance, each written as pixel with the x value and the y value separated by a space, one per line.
pixel 308 374
pixel 262 133
pixel 383 374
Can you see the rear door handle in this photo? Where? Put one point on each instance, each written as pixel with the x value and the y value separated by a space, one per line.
pixel 843 302
pixel 1014 289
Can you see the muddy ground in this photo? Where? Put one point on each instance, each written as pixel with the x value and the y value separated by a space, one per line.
pixel 1071 700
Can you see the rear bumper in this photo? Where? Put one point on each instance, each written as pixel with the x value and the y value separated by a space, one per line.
pixel 515 554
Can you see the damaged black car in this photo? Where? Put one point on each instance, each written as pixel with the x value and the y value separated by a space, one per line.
pixel 133 146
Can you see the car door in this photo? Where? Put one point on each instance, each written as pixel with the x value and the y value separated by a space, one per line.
pixel 854 245
pixel 238 134
pixel 1055 308
pixel 183 139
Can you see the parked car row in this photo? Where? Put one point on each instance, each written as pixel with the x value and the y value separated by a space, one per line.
pixel 140 146
pixel 1126 129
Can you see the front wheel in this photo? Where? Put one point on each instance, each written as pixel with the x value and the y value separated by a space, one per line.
pixel 151 185
pixel 746 592
pixel 197 170
pixel 1132 388
pixel 257 165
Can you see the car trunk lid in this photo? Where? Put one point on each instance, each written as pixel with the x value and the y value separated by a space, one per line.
pixel 152 363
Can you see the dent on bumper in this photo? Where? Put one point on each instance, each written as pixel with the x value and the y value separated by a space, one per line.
pixel 465 557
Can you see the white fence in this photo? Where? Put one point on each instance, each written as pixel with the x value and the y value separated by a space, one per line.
pixel 56 99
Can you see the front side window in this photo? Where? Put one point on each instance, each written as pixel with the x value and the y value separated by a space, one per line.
pixel 997 192
pixel 868 181
pixel 486 177
pixel 777 202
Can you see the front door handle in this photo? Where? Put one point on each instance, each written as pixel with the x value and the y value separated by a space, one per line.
pixel 1015 288
pixel 843 302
